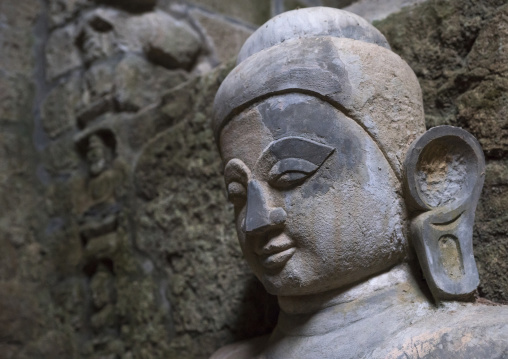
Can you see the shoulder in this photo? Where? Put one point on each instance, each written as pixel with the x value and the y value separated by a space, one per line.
pixel 460 331
pixel 248 349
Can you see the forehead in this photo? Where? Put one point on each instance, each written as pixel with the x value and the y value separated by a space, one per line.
pixel 250 132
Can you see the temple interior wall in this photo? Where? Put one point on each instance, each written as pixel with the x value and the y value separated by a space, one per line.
pixel 139 259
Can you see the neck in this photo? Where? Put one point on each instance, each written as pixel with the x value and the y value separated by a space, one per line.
pixel 318 313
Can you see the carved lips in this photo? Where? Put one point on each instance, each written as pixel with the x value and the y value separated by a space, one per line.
pixel 276 252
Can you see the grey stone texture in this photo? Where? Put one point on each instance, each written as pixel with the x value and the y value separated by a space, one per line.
pixel 456 50
pixel 251 12
pixel 216 30
pixel 379 9
pixel 62 55
pixel 131 292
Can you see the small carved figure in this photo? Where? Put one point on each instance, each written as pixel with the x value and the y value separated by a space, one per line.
pixel 345 208
pixel 105 196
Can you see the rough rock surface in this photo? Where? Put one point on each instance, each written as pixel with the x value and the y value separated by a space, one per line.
pixel 458 50
pixel 186 226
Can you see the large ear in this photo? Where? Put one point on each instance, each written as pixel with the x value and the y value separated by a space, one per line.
pixel 444 172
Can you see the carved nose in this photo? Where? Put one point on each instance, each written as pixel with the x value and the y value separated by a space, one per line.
pixel 259 216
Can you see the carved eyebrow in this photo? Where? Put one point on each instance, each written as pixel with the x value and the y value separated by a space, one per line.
pixel 298 147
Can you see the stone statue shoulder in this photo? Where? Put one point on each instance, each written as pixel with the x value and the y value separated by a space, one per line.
pixel 468 331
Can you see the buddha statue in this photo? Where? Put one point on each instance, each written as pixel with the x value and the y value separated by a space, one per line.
pixel 346 208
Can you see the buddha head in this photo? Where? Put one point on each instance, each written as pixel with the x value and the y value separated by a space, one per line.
pixel 332 175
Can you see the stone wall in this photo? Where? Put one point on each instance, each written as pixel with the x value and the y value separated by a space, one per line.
pixel 116 240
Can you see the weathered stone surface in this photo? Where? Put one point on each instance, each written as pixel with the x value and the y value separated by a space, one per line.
pixel 15 92
pixel 165 40
pixel 98 92
pixel 96 38
pixel 286 27
pixel 176 106
pixel 15 174
pixel 444 175
pixel 225 38
pixel 18 329
pixel 61 11
pixel 378 10
pixel 139 83
pixel 170 43
pixel 337 3
pixel 20 315
pixel 129 30
pixel 61 53
pixel 131 5
pixel 251 12
pixel 10 41
pixel 456 49
pixel 8 260
pixel 20 14
pixel 59 108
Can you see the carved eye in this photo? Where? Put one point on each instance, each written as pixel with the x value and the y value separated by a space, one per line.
pixel 290 172
pixel 237 194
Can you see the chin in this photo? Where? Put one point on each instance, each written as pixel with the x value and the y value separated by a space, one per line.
pixel 296 282
pixel 289 282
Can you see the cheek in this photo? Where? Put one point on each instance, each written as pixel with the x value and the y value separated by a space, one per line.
pixel 342 229
pixel 314 224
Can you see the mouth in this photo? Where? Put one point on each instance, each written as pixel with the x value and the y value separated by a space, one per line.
pixel 277 260
pixel 276 252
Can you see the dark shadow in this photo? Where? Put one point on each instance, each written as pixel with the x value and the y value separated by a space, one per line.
pixel 258 313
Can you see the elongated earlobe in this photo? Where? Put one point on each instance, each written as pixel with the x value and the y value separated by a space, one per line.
pixel 444 172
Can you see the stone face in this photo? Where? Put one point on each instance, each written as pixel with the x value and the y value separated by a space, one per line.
pixel 313 133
